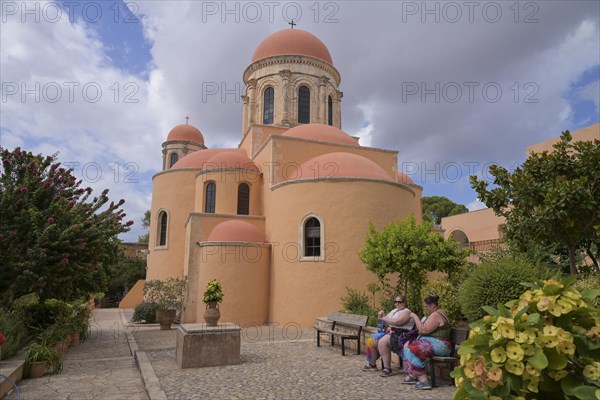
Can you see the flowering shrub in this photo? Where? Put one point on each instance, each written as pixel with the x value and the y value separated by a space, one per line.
pixel 546 345
pixel 167 294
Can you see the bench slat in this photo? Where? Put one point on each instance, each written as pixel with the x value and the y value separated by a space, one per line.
pixel 348 319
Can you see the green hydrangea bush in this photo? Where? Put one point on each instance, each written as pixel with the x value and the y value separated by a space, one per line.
pixel 545 345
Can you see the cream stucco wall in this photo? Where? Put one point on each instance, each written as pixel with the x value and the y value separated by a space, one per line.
pixel 477 225
pixel 302 289
pixel 173 191
pixel 227 182
pixel 588 133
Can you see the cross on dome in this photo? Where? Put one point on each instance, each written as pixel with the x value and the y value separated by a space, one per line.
pixel 292 24
pixel 187 119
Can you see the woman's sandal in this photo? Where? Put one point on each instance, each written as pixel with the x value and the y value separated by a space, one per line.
pixel 370 367
pixel 386 372
pixel 409 380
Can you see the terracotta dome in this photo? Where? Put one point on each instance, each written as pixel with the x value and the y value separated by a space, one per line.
pixel 230 159
pixel 337 165
pixel 292 42
pixel 403 178
pixel 199 159
pixel 188 133
pixel 236 231
pixel 322 132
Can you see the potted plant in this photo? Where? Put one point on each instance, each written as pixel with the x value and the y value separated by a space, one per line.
pixel 41 356
pixel 213 295
pixel 168 295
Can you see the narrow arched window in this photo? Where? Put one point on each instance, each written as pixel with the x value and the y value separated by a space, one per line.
pixel 163 220
pixel 329 110
pixel 210 198
pixel 268 105
pixel 173 159
pixel 303 105
pixel 312 238
pixel 243 207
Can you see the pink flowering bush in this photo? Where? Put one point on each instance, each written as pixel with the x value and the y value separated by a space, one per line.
pixel 56 238
pixel 544 345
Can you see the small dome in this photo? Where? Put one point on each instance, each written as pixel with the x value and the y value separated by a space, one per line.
pixel 199 159
pixel 188 133
pixel 230 159
pixel 292 42
pixel 338 165
pixel 236 231
pixel 405 179
pixel 322 132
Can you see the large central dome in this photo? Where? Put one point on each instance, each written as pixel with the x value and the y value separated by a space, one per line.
pixel 292 42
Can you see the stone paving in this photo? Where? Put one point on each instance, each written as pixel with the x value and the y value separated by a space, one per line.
pixel 276 364
pixel 102 367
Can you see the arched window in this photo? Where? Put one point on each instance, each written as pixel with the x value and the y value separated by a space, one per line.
pixel 163 220
pixel 312 238
pixel 210 198
pixel 243 199
pixel 173 159
pixel 303 105
pixel 329 110
pixel 268 101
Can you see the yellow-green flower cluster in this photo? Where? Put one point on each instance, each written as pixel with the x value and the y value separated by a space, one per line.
pixel 534 340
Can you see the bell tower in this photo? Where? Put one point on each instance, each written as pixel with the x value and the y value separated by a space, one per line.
pixel 291 81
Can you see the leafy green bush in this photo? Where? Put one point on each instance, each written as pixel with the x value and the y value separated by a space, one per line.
pixel 590 281
pixel 358 303
pixel 145 312
pixel 40 316
pixel 495 282
pixel 15 332
pixel 449 301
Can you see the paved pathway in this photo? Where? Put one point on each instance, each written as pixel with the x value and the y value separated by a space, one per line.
pixel 275 365
pixel 102 367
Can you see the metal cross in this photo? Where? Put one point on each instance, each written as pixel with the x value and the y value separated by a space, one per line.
pixel 292 24
pixel 187 119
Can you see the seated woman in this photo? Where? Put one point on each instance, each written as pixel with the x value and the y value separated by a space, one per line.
pixel 397 320
pixel 434 339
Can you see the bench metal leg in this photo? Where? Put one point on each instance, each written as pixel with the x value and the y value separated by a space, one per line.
pixel 318 339
pixel 432 372
pixel 343 347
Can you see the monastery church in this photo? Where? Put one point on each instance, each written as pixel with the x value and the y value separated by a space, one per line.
pixel 280 219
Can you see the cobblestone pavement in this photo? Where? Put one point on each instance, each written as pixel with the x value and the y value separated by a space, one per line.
pixel 275 368
pixel 276 364
pixel 102 367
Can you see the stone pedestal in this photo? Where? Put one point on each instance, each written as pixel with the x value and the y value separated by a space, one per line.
pixel 199 345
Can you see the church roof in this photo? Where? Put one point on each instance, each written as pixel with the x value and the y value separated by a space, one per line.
pixel 236 231
pixel 405 179
pixel 188 133
pixel 341 165
pixel 322 132
pixel 292 42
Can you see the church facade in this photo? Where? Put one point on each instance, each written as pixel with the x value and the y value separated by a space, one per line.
pixel 280 219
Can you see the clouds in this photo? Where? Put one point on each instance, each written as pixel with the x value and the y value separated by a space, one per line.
pixel 403 68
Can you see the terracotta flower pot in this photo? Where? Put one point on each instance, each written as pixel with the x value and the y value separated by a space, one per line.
pixel 212 313
pixel 74 339
pixel 38 369
pixel 165 318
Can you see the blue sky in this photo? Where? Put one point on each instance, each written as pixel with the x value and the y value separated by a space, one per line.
pixel 128 74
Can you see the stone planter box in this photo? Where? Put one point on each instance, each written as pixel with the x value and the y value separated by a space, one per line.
pixel 199 345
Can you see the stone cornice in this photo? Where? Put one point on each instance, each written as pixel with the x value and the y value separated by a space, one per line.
pixel 342 179
pixel 294 59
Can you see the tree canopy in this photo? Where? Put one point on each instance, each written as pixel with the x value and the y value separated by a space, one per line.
pixel 55 239
pixel 146 225
pixel 552 199
pixel 437 207
pixel 410 250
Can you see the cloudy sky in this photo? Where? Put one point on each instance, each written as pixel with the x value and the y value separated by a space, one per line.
pixel 453 86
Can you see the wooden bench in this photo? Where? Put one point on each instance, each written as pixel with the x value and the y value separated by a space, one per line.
pixel 457 336
pixel 338 320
